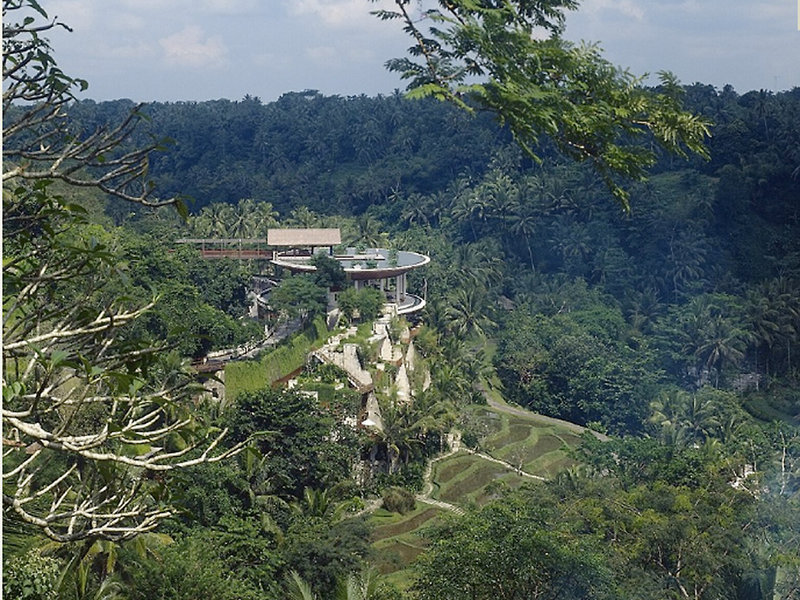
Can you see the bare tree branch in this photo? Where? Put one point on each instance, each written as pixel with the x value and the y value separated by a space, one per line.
pixel 91 430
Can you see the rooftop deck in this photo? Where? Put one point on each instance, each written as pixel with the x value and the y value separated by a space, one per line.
pixel 375 263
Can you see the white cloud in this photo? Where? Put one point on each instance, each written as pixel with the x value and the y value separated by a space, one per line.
pixel 78 14
pixel 339 13
pixel 143 5
pixel 629 8
pixel 190 47
pixel 137 50
pixel 326 55
pixel 229 7
pixel 127 22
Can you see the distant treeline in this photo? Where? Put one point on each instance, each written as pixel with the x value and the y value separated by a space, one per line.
pixel 340 155
pixel 330 154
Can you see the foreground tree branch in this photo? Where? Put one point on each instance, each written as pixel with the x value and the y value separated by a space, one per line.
pixel 93 420
pixel 510 58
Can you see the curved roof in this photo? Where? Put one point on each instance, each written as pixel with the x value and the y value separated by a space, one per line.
pixel 376 263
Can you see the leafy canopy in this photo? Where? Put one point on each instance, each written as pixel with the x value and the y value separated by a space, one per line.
pixel 509 57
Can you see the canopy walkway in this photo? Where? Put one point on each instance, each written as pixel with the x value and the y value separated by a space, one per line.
pixel 235 248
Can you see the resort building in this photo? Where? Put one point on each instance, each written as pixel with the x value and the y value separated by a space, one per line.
pixel 382 268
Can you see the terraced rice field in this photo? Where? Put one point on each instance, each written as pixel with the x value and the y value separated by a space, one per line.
pixel 465 479
pixel 395 539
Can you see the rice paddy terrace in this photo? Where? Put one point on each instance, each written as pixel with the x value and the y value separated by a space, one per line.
pixel 515 447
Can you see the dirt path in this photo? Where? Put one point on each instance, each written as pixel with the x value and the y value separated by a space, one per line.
pixel 427 487
pixel 427 479
pixel 524 412
pixel 425 495
pixel 507 465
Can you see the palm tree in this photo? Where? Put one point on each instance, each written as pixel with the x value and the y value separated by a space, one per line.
pixel 783 294
pixel 359 586
pixel 369 232
pixel 200 225
pixel 764 322
pixel 701 417
pixel 685 418
pixel 414 210
pixel 400 435
pixel 524 223
pixel 643 308
pixel 319 504
pixel 451 384
pixel 667 415
pixel 260 216
pixel 240 224
pixel 723 342
pixel 298 588
pixel 685 260
pixel 213 220
pixel 475 265
pixel 302 217
pixel 406 426
pixel 466 313
pixel 572 241
pixel 502 197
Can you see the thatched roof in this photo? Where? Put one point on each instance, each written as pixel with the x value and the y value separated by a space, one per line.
pixel 304 237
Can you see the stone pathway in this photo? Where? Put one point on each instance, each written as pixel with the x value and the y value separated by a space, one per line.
pixel 346 360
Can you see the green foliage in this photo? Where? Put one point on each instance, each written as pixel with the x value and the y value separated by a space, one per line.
pixel 93 404
pixel 325 553
pixel 31 576
pixel 188 569
pixel 329 273
pixel 594 314
pixel 207 494
pixel 366 302
pixel 328 373
pixel 299 296
pixel 577 367
pixel 592 110
pixel 251 376
pixel 398 500
pixel 652 526
pixel 307 447
pixel 510 550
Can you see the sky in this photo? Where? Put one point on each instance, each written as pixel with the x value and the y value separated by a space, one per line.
pixel 183 50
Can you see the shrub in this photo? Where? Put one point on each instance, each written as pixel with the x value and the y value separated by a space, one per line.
pixel 399 500
pixel 31 577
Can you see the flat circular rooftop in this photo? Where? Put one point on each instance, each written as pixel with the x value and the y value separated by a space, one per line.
pixel 374 263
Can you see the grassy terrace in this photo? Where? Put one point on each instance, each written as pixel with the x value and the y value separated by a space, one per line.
pixel 252 375
pixel 464 479
pixel 396 540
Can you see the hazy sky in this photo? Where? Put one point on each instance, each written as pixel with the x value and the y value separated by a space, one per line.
pixel 205 49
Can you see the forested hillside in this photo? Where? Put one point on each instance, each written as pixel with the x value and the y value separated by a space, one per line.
pixel 599 403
